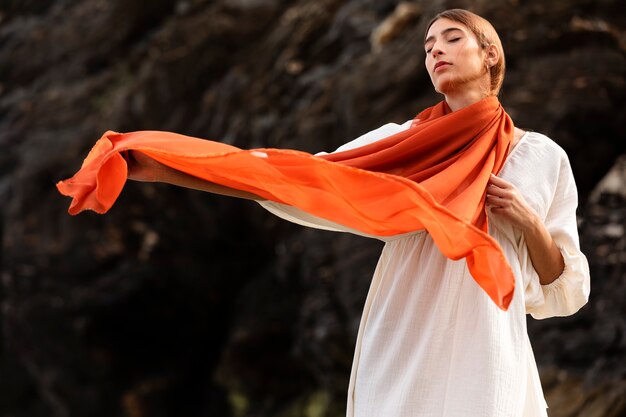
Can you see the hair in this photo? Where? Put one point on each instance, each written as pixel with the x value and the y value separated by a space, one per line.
pixel 485 35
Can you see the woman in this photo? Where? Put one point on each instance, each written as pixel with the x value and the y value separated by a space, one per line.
pixel 430 341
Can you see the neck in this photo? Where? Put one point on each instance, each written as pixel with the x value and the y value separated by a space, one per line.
pixel 463 99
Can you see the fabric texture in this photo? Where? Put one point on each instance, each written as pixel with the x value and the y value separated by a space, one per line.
pixel 430 343
pixel 431 176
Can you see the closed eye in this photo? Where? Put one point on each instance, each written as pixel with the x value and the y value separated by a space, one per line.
pixel 451 40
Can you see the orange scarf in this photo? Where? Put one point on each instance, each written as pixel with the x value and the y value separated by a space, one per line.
pixel 431 176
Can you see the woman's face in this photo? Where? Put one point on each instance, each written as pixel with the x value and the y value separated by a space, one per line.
pixel 454 60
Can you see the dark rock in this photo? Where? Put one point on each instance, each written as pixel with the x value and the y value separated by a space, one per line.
pixel 178 303
pixel 589 348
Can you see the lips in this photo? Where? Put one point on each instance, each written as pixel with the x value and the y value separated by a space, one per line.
pixel 441 64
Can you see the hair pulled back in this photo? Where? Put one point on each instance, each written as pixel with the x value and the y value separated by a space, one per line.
pixel 485 34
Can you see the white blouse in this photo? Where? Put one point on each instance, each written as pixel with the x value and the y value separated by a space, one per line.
pixel 430 341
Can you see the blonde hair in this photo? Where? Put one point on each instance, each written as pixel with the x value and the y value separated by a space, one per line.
pixel 485 35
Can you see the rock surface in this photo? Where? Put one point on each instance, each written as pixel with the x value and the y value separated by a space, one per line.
pixel 584 371
pixel 181 303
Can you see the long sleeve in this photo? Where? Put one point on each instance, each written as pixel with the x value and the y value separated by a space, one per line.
pixel 570 291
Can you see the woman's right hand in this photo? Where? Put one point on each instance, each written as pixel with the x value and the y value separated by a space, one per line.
pixel 143 168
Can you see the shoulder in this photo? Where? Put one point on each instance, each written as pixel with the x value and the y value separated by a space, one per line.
pixel 375 135
pixel 537 157
pixel 540 142
pixel 541 152
pixel 550 160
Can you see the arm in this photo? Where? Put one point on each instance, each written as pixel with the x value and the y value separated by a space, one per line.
pixel 503 199
pixel 146 169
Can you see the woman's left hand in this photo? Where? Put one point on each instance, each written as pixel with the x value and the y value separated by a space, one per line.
pixel 503 199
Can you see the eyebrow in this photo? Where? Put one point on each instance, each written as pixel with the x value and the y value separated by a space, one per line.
pixel 443 32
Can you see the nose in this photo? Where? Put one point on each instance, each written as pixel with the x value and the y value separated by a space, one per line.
pixel 436 50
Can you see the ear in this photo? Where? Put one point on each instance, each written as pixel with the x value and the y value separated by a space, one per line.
pixel 492 55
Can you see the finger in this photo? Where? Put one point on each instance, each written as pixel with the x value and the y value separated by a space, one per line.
pixel 497 201
pixel 498 191
pixel 499 181
pixel 496 210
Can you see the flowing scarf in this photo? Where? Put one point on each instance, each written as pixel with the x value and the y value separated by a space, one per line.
pixel 432 176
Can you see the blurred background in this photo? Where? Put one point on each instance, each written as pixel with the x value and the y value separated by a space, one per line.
pixel 182 303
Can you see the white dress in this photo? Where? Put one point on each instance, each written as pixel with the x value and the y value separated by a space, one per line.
pixel 431 342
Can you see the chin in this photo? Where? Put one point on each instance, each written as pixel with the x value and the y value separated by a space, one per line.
pixel 447 85
pixel 444 86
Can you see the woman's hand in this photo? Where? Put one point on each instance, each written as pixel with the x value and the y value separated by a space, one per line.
pixel 144 168
pixel 504 200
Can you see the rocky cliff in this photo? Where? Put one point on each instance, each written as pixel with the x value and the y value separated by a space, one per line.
pixel 178 303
